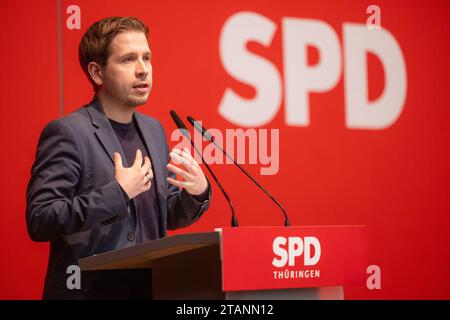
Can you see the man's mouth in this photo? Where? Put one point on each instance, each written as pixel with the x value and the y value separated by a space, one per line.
pixel 141 85
pixel 141 88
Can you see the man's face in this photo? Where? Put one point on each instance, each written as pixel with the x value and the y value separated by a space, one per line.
pixel 127 76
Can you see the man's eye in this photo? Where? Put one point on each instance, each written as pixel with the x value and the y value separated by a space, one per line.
pixel 127 60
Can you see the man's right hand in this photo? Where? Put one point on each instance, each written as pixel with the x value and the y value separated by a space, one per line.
pixel 137 178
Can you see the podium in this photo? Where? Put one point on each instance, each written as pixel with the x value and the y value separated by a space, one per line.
pixel 308 262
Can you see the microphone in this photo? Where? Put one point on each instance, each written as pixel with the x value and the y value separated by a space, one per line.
pixel 209 137
pixel 199 128
pixel 185 132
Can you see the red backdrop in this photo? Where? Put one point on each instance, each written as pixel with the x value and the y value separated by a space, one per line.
pixel 394 180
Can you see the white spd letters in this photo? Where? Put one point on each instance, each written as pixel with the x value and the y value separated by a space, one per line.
pixel 288 250
pixel 299 79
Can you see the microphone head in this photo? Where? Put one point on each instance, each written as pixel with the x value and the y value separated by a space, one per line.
pixel 191 120
pixel 179 123
pixel 201 129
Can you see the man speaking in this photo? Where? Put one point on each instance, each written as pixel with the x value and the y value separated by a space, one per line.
pixel 102 179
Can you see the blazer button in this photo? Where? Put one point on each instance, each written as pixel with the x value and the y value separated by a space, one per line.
pixel 130 236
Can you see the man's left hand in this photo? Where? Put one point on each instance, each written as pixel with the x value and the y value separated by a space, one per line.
pixel 194 180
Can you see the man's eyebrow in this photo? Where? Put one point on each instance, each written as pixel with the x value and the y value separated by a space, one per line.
pixel 132 53
pixel 127 54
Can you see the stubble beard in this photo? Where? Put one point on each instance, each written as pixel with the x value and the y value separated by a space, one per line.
pixel 126 97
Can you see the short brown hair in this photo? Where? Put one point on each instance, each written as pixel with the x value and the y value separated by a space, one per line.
pixel 94 46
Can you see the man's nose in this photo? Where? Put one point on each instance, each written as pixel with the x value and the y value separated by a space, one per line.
pixel 142 68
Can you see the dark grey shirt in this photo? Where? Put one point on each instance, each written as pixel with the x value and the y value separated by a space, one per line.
pixel 144 212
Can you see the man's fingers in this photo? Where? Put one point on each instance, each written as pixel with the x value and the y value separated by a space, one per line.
pixel 147 181
pixel 147 165
pixel 138 160
pixel 187 155
pixel 117 160
pixel 180 184
pixel 195 166
pixel 184 158
pixel 179 172
pixel 177 157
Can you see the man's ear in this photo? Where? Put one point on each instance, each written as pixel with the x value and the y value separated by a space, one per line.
pixel 95 71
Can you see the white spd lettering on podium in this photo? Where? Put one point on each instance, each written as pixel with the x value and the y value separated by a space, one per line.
pixel 286 250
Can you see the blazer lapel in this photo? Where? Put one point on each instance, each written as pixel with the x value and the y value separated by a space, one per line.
pixel 153 149
pixel 105 132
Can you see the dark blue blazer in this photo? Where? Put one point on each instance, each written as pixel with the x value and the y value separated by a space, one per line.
pixel 74 201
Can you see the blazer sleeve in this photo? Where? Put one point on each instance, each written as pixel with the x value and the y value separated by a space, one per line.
pixel 53 209
pixel 183 208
